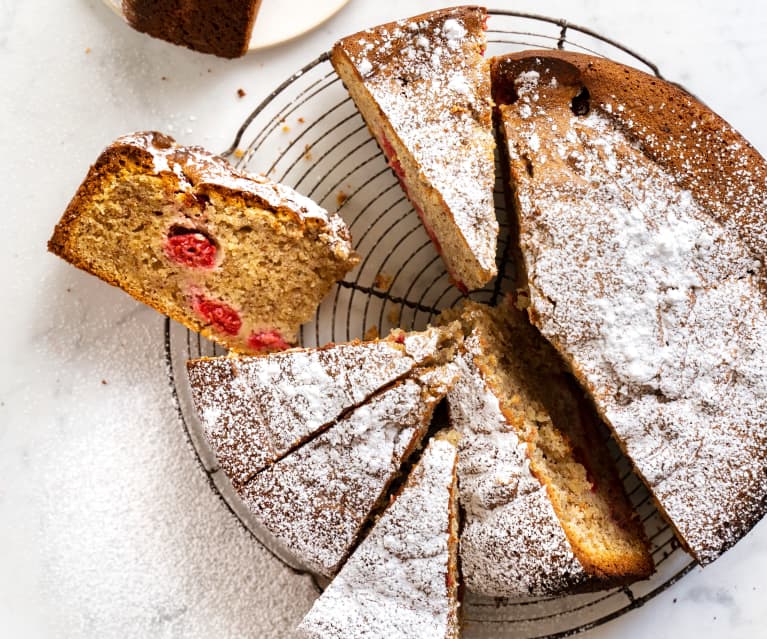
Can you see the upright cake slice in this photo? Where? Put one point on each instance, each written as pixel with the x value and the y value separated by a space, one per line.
pixel 423 88
pixel 402 581
pixel 254 410
pixel 238 258
pixel 545 511
pixel 316 500
pixel 221 27
pixel 642 241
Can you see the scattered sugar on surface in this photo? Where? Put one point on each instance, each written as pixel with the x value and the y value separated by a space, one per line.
pixel 130 539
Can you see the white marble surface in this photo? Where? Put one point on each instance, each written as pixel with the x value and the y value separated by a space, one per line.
pixel 107 526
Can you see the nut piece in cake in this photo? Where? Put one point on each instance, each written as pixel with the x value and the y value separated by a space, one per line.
pixel 255 410
pixel 239 258
pixel 316 500
pixel 545 511
pixel 641 219
pixel 423 87
pixel 402 581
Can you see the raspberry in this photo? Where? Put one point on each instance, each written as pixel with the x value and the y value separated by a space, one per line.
pixel 190 248
pixel 220 316
pixel 267 341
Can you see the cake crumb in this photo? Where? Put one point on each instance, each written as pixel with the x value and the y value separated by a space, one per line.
pixel 372 333
pixel 241 93
pixel 163 78
pixel 87 50
pixel 301 120
pixel 307 152
pixel 238 153
pixel 341 197
pixel 104 382
pixel 285 128
pixel 383 281
pixel 394 316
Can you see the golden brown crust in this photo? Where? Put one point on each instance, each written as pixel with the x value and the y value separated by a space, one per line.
pixel 422 86
pixel 186 178
pixel 669 338
pixel 675 130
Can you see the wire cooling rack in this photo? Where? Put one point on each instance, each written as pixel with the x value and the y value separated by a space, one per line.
pixel 309 134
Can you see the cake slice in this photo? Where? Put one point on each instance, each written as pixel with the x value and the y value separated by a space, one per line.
pixel 545 511
pixel 316 500
pixel 255 410
pixel 641 249
pixel 220 27
pixel 239 258
pixel 423 87
pixel 402 581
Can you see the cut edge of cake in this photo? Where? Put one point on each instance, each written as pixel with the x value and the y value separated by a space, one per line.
pixel 716 181
pixel 180 230
pixel 555 462
pixel 445 162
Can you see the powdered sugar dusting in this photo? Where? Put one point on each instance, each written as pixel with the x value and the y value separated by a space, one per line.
pixel 255 409
pixel 316 500
pixel 394 585
pixel 195 166
pixel 659 307
pixel 512 543
pixel 431 83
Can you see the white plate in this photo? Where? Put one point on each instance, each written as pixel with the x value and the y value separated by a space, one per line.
pixel 275 25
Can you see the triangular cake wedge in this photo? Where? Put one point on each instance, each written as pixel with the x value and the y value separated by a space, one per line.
pixel 315 501
pixel 239 258
pixel 402 581
pixel 255 410
pixel 545 511
pixel 641 239
pixel 423 87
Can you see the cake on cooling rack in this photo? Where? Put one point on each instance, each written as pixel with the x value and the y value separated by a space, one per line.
pixel 641 245
pixel 316 500
pixel 220 27
pixel 254 410
pixel 545 511
pixel 402 581
pixel 423 87
pixel 239 258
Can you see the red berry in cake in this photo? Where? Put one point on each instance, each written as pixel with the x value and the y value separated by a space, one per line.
pixel 267 341
pixel 219 315
pixel 190 248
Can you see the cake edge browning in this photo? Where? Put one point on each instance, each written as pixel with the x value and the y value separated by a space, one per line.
pixel 474 274
pixel 651 111
pixel 155 154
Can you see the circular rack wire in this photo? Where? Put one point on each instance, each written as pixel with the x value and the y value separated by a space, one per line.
pixel 309 134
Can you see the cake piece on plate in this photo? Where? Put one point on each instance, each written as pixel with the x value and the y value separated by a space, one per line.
pixel 423 87
pixel 315 501
pixel 545 511
pixel 255 410
pixel 220 27
pixel 239 258
pixel 642 240
pixel 402 581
